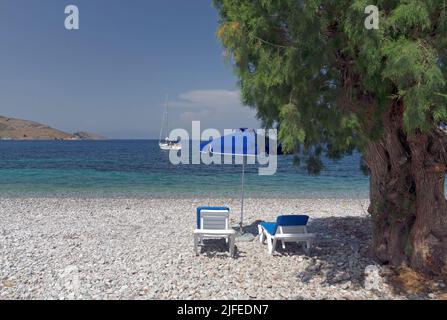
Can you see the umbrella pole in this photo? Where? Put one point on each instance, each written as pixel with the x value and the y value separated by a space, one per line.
pixel 242 197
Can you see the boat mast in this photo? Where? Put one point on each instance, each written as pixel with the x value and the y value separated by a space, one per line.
pixel 167 116
pixel 164 119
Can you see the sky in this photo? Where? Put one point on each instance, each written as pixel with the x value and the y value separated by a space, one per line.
pixel 112 75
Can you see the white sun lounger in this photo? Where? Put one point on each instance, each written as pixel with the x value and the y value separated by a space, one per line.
pixel 214 224
pixel 286 229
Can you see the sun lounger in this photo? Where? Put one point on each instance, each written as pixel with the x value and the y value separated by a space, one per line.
pixel 214 223
pixel 291 228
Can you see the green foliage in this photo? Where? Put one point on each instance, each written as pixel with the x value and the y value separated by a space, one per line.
pixel 314 70
pixel 409 16
pixel 291 131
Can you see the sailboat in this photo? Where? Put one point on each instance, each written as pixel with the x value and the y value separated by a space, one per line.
pixel 167 143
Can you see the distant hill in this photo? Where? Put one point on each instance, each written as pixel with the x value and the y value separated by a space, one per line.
pixel 16 129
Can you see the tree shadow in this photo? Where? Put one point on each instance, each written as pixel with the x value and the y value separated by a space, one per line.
pixel 339 254
pixel 342 255
pixel 252 228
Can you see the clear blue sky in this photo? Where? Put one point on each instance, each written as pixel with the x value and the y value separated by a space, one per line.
pixel 111 76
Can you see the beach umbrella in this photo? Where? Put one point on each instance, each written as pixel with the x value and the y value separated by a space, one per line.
pixel 239 143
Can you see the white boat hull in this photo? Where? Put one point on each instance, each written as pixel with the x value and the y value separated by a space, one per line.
pixel 166 146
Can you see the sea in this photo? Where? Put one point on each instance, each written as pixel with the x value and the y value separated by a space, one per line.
pixel 138 168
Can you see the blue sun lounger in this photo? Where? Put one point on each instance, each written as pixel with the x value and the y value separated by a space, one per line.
pixel 292 228
pixel 214 223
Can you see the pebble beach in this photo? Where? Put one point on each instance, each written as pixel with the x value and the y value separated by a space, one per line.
pixel 82 248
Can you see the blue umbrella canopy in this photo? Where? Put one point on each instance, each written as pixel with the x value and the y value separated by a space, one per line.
pixel 241 142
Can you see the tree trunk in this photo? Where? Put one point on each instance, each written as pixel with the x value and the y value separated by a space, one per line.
pixel 408 205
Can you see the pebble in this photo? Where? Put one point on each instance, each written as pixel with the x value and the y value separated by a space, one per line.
pixel 96 248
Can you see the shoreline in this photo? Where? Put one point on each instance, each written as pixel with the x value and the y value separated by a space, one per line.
pixel 143 249
pixel 174 195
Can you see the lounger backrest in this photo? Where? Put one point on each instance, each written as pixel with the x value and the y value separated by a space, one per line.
pixel 292 229
pixel 214 219
pixel 292 224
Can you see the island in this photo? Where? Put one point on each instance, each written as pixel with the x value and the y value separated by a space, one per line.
pixel 17 129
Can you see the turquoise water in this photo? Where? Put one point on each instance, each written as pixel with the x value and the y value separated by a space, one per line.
pixel 137 168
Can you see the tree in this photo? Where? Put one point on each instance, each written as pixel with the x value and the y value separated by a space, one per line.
pixel 332 86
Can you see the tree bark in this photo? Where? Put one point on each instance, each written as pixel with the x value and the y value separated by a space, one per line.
pixel 408 205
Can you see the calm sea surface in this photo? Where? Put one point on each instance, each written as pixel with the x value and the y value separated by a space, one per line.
pixel 138 168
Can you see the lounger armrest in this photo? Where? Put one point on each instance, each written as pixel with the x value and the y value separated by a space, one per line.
pixel 215 232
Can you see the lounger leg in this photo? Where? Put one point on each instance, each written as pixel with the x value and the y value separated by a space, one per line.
pixel 261 234
pixel 231 244
pixel 273 246
pixel 196 244
pixel 308 246
pixel 283 244
pixel 269 244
